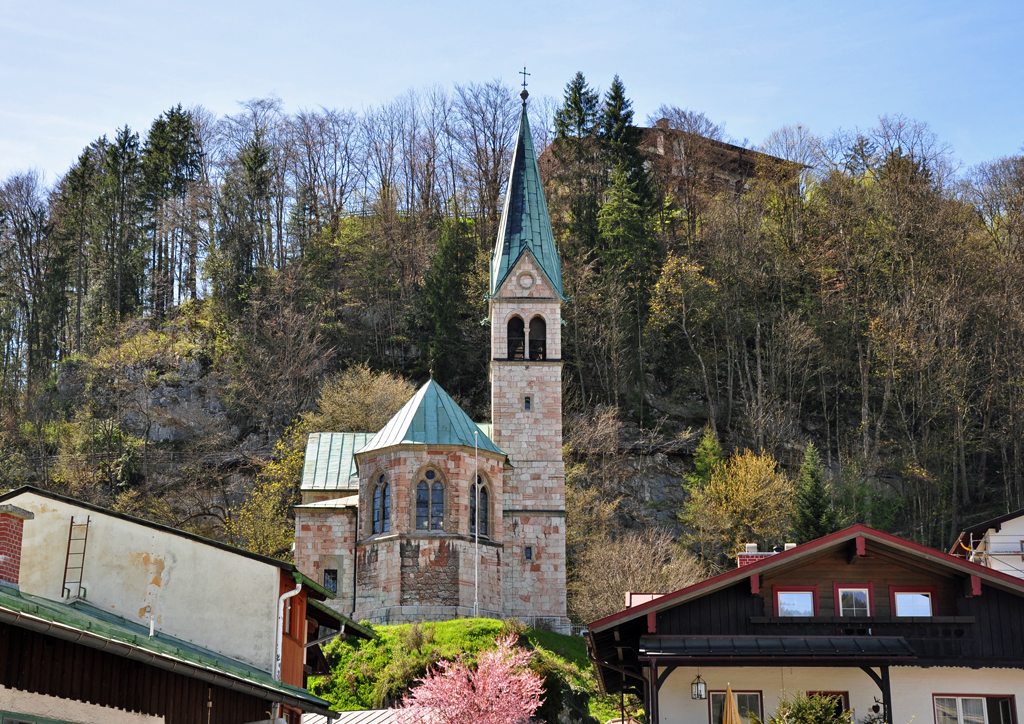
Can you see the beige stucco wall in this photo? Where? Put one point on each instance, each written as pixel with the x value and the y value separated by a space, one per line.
pixel 13 702
pixel 912 688
pixel 214 598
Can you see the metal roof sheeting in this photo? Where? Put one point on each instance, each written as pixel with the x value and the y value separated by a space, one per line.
pixel 778 647
pixel 525 224
pixel 431 417
pixel 330 460
pixel 376 716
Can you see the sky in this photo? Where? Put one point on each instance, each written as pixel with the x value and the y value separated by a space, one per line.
pixel 73 71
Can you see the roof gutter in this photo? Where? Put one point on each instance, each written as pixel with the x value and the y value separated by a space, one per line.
pixel 161 662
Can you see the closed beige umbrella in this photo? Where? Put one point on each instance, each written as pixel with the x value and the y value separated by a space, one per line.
pixel 731 715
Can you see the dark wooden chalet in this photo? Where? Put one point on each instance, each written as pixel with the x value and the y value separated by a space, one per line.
pixel 859 613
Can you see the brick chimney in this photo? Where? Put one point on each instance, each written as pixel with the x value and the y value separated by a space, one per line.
pixel 12 523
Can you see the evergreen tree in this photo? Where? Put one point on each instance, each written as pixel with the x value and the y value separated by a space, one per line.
pixel 455 344
pixel 170 161
pixel 581 170
pixel 622 141
pixel 706 457
pixel 813 515
pixel 578 116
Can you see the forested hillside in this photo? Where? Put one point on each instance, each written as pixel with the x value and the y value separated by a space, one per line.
pixel 174 302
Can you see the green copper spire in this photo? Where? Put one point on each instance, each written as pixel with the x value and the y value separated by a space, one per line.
pixel 431 417
pixel 525 224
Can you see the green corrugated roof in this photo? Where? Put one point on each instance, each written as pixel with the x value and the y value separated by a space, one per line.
pixel 525 225
pixel 431 417
pixel 330 462
pixel 82 617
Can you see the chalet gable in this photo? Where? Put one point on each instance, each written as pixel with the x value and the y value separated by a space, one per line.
pixel 858 597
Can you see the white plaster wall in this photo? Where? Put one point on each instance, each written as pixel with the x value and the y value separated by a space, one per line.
pixel 211 597
pixel 1007 540
pixel 13 702
pixel 912 688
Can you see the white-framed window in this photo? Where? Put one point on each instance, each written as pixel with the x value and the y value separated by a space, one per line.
pixel 955 709
pixel 912 603
pixel 854 601
pixel 796 601
pixel 747 702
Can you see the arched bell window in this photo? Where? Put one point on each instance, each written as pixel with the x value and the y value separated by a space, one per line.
pixel 430 502
pixel 381 506
pixel 482 492
pixel 516 338
pixel 538 338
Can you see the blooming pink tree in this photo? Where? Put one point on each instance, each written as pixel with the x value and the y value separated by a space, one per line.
pixel 502 690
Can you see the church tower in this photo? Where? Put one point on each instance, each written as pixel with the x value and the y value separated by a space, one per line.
pixel 526 394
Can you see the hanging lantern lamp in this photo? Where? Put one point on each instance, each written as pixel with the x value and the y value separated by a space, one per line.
pixel 698 689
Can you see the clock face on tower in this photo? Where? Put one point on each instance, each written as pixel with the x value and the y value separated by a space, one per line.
pixel 526 281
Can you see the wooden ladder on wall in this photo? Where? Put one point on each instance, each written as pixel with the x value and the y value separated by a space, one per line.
pixel 74 562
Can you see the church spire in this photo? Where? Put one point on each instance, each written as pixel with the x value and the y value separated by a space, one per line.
pixel 525 225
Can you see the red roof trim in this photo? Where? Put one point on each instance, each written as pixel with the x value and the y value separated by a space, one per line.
pixel 800 551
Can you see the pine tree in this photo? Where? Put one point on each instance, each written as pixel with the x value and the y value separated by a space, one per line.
pixel 448 311
pixel 706 457
pixel 621 140
pixel 813 515
pixel 578 116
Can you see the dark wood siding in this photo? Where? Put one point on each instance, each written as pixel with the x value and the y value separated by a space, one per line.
pixel 836 567
pixel 723 613
pixel 41 664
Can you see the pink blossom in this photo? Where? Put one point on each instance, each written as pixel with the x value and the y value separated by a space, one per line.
pixel 502 690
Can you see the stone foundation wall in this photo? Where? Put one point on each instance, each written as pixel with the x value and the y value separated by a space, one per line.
pixel 426 579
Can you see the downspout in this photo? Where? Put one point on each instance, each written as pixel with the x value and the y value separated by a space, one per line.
pixel 276 709
pixel 355 558
pixel 280 628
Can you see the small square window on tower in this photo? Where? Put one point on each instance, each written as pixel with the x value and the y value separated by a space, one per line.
pixel 529 553
pixel 528 403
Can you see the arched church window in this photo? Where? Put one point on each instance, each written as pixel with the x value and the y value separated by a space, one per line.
pixel 483 508
pixel 538 338
pixel 429 502
pixel 516 338
pixel 381 506
pixel 422 505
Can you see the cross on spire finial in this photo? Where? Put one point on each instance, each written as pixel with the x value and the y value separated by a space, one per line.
pixel 525 94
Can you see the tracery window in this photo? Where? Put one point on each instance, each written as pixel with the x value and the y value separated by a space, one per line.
pixel 483 508
pixel 430 502
pixel 381 506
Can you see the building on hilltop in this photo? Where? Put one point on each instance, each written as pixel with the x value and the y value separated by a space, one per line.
pixel 388 519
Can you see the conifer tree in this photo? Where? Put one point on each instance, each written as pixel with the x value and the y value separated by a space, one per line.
pixel 813 514
pixel 580 167
pixel 706 457
pixel 578 116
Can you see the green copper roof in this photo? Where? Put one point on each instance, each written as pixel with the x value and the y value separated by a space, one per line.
pixel 525 224
pixel 431 417
pixel 28 611
pixel 330 462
